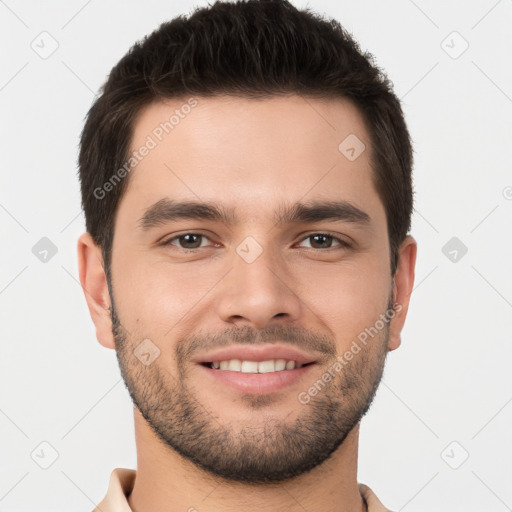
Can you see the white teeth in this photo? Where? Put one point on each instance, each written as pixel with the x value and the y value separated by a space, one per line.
pixel 249 367
pixel 290 365
pixel 234 365
pixel 280 364
pixel 266 366
pixel 272 365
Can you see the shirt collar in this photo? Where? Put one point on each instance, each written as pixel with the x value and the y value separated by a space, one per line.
pixel 122 481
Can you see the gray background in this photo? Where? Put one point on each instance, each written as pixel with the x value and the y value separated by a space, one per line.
pixel 438 435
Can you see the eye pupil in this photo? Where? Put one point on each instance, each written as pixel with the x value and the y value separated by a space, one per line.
pixel 181 238
pixel 320 235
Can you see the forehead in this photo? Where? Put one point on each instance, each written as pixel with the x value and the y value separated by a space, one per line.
pixel 249 153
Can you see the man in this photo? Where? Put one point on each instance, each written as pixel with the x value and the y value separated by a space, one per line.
pixel 246 183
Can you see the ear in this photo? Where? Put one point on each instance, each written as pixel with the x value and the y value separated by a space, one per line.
pixel 94 284
pixel 402 288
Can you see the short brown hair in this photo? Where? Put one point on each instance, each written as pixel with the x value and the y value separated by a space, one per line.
pixel 252 49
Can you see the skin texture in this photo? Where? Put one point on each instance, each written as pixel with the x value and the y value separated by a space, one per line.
pixel 209 446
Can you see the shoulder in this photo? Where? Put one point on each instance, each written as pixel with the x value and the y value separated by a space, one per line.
pixel 119 488
pixel 374 504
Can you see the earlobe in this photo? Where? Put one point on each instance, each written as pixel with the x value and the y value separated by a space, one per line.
pixel 94 285
pixel 403 283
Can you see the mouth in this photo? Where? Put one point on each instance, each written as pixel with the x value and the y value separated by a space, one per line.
pixel 270 366
pixel 256 377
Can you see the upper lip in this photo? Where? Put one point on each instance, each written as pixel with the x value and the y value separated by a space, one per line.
pixel 257 353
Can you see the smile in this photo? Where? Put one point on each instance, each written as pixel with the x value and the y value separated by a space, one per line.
pixel 250 378
pixel 272 365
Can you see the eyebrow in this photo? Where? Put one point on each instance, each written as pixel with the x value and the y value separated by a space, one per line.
pixel 167 210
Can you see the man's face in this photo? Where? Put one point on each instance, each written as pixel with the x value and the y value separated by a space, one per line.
pixel 194 286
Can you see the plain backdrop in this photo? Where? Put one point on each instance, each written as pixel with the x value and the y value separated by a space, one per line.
pixel 438 435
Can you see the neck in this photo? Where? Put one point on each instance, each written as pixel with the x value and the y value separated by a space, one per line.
pixel 166 482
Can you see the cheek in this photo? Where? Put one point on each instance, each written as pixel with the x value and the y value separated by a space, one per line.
pixel 156 295
pixel 348 297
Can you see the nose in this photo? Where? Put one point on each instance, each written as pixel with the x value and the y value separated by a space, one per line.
pixel 255 292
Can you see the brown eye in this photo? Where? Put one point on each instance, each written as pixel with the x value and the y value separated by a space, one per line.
pixel 187 241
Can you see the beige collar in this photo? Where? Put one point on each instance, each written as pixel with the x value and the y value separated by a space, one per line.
pixel 122 481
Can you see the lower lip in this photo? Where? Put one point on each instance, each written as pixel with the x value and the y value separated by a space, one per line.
pixel 258 383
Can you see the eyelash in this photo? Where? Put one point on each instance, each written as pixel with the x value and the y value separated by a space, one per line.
pixel 343 243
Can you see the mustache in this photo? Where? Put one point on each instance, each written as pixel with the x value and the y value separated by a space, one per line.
pixel 283 334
